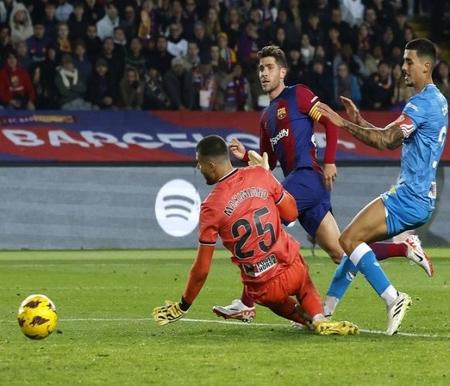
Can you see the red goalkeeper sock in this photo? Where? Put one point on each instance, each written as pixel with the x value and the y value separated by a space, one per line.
pixel 246 298
pixel 384 250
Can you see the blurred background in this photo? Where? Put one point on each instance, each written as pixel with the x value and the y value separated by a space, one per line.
pixel 103 102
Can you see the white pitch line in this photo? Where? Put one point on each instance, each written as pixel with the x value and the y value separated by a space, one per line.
pixel 234 323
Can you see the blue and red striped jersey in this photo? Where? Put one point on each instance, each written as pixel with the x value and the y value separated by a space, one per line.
pixel 287 130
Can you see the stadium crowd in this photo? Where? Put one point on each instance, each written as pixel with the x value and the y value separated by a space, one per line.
pixel 200 54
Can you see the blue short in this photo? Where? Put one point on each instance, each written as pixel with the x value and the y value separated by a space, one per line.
pixel 311 195
pixel 404 211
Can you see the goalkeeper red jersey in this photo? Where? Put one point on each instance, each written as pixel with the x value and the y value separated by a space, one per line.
pixel 242 210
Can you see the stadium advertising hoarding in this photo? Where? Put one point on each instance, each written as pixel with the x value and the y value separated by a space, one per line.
pixel 148 137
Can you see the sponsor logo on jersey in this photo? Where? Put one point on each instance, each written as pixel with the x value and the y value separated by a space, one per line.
pixel 281 113
pixel 281 134
pixel 260 267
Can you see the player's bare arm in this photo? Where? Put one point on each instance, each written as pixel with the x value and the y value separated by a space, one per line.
pixel 353 113
pixel 389 137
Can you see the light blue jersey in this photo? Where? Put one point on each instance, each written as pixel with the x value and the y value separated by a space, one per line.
pixel 412 201
pixel 423 144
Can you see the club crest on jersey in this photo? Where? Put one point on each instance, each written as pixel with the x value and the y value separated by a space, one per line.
pixel 281 113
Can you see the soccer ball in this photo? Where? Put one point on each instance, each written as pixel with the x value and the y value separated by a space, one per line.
pixel 37 317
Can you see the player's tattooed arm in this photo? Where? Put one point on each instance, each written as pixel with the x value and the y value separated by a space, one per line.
pixel 389 137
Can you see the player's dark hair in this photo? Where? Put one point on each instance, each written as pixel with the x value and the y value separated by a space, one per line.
pixel 212 146
pixel 423 47
pixel 274 52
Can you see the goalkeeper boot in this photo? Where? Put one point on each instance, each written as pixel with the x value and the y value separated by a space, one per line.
pixel 417 255
pixel 236 310
pixel 328 327
pixel 396 312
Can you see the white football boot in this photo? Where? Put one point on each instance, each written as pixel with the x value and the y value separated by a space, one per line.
pixel 236 310
pixel 417 255
pixel 396 312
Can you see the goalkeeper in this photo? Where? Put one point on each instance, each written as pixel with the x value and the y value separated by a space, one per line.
pixel 245 209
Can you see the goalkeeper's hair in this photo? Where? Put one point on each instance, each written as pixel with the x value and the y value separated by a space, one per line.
pixel 213 146
pixel 423 48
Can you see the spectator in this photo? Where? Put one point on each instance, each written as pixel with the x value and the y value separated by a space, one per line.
pixel 280 39
pixel 81 61
pixel 92 42
pixel 354 62
pixel 114 58
pixel 292 33
pixel 77 22
pixel 248 48
pixel 192 58
pixel 379 88
pixel 163 14
pixel 207 91
pixel 50 21
pixel 16 88
pixel 102 91
pixel 37 44
pixel 346 84
pixel 5 43
pixel 176 44
pixel 443 79
pixel 23 56
pixel 131 90
pixel 63 10
pixel 160 58
pixel 345 32
pixel 148 27
pixel 319 78
pixel 235 91
pixel 93 11
pixel 71 87
pixel 296 67
pixel 6 8
pixel 314 30
pixel 401 92
pixel 155 98
pixel 190 17
pixel 130 22
pixel 20 24
pixel 63 43
pixel 293 13
pixel 387 41
pixel 352 12
pixel 120 41
pixel 227 54
pixel 307 50
pixel 218 65
pixel 204 43
pixel 212 24
pixel 106 25
pixel 135 58
pixel 43 76
pixel 233 27
pixel 178 85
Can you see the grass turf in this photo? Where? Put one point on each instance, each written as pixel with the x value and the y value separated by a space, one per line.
pixel 105 336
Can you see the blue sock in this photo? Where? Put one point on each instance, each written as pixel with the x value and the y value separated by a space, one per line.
pixel 345 272
pixel 366 262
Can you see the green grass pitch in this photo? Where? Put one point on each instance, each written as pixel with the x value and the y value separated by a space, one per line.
pixel 106 335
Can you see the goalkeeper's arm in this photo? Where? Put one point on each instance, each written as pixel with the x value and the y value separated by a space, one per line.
pixel 197 275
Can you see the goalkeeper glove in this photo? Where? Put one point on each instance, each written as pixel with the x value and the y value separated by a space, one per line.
pixel 257 160
pixel 168 313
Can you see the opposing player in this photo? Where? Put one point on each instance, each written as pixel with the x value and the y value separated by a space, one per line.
pixel 244 209
pixel 287 135
pixel 422 129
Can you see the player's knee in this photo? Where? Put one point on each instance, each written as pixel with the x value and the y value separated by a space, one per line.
pixel 346 242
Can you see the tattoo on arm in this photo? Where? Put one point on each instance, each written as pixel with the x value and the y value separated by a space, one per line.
pixel 389 137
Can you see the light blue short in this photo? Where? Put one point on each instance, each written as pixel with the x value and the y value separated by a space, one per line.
pixel 404 211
